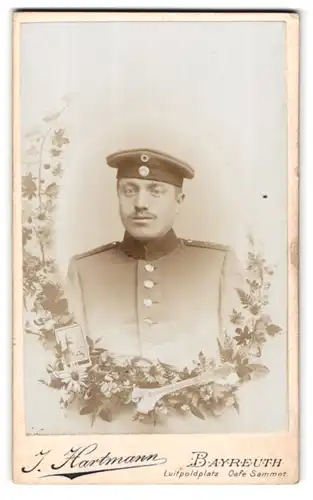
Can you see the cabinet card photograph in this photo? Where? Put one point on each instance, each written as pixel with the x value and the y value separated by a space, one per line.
pixel 155 247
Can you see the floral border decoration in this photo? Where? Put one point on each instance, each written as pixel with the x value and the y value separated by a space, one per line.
pixel 43 155
pixel 107 386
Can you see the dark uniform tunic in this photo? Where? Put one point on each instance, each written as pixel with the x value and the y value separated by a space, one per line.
pixel 166 300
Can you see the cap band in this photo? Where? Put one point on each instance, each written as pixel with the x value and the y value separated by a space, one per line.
pixel 152 173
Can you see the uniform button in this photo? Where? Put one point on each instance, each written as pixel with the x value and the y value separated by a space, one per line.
pixel 149 268
pixel 148 284
pixel 147 302
pixel 148 321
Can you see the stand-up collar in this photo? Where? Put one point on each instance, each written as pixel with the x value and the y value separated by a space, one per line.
pixel 149 250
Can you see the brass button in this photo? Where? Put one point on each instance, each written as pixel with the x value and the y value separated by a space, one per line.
pixel 149 268
pixel 148 284
pixel 147 302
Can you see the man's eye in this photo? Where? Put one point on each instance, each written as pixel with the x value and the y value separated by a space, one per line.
pixel 129 191
pixel 157 191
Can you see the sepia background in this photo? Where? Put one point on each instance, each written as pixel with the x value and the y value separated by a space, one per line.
pixel 211 93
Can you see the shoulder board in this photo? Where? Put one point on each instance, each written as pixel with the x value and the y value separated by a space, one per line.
pixel 207 244
pixel 94 251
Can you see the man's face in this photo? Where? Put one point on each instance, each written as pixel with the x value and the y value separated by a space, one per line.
pixel 147 208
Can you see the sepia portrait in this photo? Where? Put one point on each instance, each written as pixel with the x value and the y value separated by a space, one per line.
pixel 154 211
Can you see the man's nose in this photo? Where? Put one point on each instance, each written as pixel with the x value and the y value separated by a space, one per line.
pixel 141 201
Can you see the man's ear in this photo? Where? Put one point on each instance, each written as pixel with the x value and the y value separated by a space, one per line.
pixel 180 197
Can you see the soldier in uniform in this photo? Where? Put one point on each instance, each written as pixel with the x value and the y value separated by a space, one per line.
pixel 153 294
pixel 160 297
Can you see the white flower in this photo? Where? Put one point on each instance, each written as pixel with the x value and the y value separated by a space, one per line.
pixel 49 324
pixel 161 380
pixel 66 398
pixel 232 378
pixel 104 387
pixel 207 397
pixel 185 407
pixel 206 391
pixel 229 401
pixel 121 361
pixel 109 388
pixel 114 388
pixel 73 380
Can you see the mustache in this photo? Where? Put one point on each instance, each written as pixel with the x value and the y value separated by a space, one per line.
pixel 143 215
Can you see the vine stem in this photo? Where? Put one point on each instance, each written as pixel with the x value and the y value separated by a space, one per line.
pixel 34 333
pixel 45 137
pixel 40 167
pixel 42 250
pixel 40 158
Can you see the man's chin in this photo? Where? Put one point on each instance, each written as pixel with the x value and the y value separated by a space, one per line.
pixel 143 234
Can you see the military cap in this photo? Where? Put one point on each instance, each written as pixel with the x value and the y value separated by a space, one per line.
pixel 150 164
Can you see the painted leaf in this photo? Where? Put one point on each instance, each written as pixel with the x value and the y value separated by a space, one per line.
pixel 52 190
pixel 196 412
pixel 58 307
pixel 236 406
pixel 51 291
pixel 255 309
pixel 243 370
pixel 29 187
pixel 226 353
pixel 236 317
pixel 87 410
pixel 258 338
pixel 51 118
pixel 59 139
pixel 56 383
pixel 257 370
pixel 89 342
pixel 243 336
pixel 273 330
pixel 55 152
pixel 26 235
pixel 244 297
pixel 106 415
